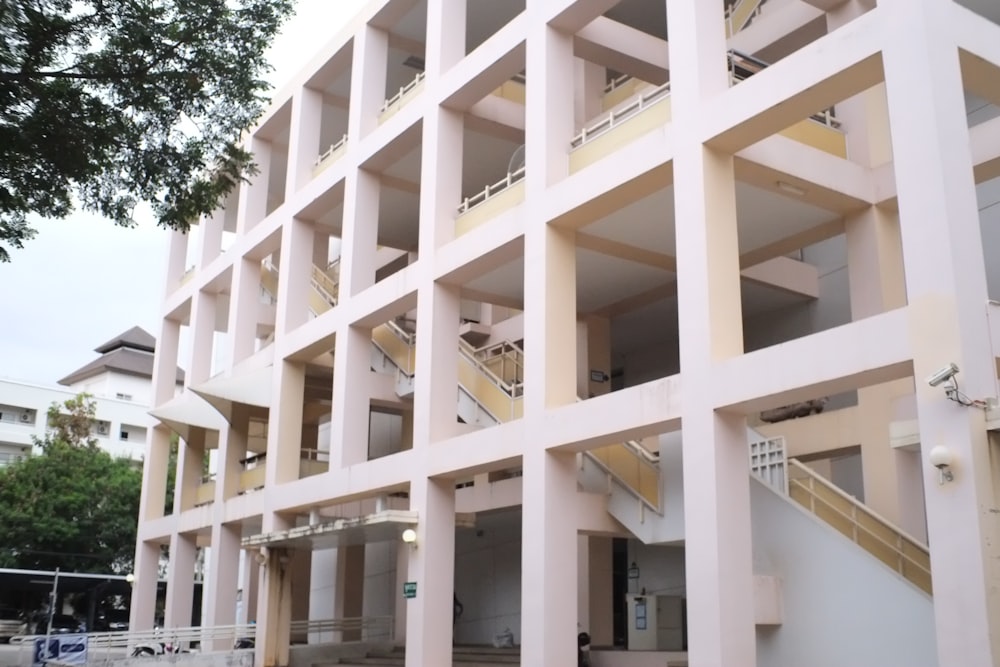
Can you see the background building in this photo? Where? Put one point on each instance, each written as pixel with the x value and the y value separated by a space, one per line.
pixel 119 380
pixel 626 309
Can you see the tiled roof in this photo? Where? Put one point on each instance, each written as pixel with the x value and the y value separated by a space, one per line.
pixel 130 352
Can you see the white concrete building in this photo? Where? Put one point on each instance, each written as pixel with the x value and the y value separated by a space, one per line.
pixel 625 309
pixel 119 381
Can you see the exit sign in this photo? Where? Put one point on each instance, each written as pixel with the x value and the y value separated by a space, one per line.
pixel 409 589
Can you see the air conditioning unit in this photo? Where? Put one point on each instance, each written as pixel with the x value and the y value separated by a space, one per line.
pixel 102 429
pixel 26 416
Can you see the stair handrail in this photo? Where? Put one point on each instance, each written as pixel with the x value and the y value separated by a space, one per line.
pixel 323 284
pixel 825 117
pixel 816 478
pixel 621 482
pixel 512 389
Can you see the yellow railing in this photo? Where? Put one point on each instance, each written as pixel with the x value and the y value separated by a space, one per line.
pixel 905 554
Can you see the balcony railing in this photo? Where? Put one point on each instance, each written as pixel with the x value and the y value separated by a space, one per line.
pixel 330 151
pixel 743 66
pixel 402 92
pixel 491 191
pixel 615 118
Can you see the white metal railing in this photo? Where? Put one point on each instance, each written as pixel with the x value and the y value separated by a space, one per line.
pixel 742 67
pixel 491 191
pixel 615 118
pixel 202 639
pixel 507 353
pixel 402 92
pixel 617 83
pixel 324 285
pixel 881 538
pixel 330 151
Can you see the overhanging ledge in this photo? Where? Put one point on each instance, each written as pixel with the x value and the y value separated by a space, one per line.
pixel 381 526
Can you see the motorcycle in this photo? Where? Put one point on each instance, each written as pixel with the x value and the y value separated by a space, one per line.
pixel 155 648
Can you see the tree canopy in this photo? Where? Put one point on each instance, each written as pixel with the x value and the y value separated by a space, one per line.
pixel 74 506
pixel 108 103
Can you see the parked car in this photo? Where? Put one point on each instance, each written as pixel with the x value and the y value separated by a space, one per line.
pixel 62 624
pixel 11 624
pixel 115 620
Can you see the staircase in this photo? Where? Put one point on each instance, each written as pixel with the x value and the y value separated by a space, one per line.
pixel 740 14
pixel 490 392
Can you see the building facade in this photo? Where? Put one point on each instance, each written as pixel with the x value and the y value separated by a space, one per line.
pixel 666 320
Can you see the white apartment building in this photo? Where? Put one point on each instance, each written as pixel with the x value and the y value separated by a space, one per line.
pixel 119 381
pixel 668 320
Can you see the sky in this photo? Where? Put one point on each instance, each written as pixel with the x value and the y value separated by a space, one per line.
pixel 82 281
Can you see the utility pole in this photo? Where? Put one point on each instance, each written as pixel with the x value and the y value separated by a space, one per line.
pixel 53 596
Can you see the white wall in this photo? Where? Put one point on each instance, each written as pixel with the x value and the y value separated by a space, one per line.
pixel 488 577
pixel 114 411
pixel 842 606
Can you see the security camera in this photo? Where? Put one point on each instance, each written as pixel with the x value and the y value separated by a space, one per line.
pixel 942 375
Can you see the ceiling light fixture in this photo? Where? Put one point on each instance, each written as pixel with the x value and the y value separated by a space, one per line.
pixel 792 189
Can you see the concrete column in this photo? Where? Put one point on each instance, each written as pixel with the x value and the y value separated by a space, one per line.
pixel 274 600
pixel 432 567
pixel 176 258
pixel 322 591
pixel 146 571
pixel 253 195
pixel 549 318
pixel 368 77
pixel 165 362
pixel 589 80
pixel 445 44
pixel 180 581
pixel 601 627
pixel 946 290
pixel 716 479
pixel 211 236
pixel 202 338
pixel 232 451
pixel 549 121
pixel 875 265
pixel 598 355
pixel 351 586
pixel 244 307
pixel 190 464
pixel 285 423
pixel 296 274
pixel 303 148
pixel 440 176
pixel 436 377
pixel 399 610
pixel 351 397
pixel 360 233
pixel 248 586
pixel 549 574
pixel 222 580
pixel 154 474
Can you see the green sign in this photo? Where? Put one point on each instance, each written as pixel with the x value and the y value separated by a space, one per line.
pixel 409 589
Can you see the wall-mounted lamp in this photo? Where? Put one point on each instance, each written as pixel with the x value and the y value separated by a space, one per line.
pixel 942 458
pixel 633 571
pixel 410 537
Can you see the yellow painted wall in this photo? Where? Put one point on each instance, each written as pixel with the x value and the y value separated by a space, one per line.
pixel 492 207
pixel 819 136
pixel 629 130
